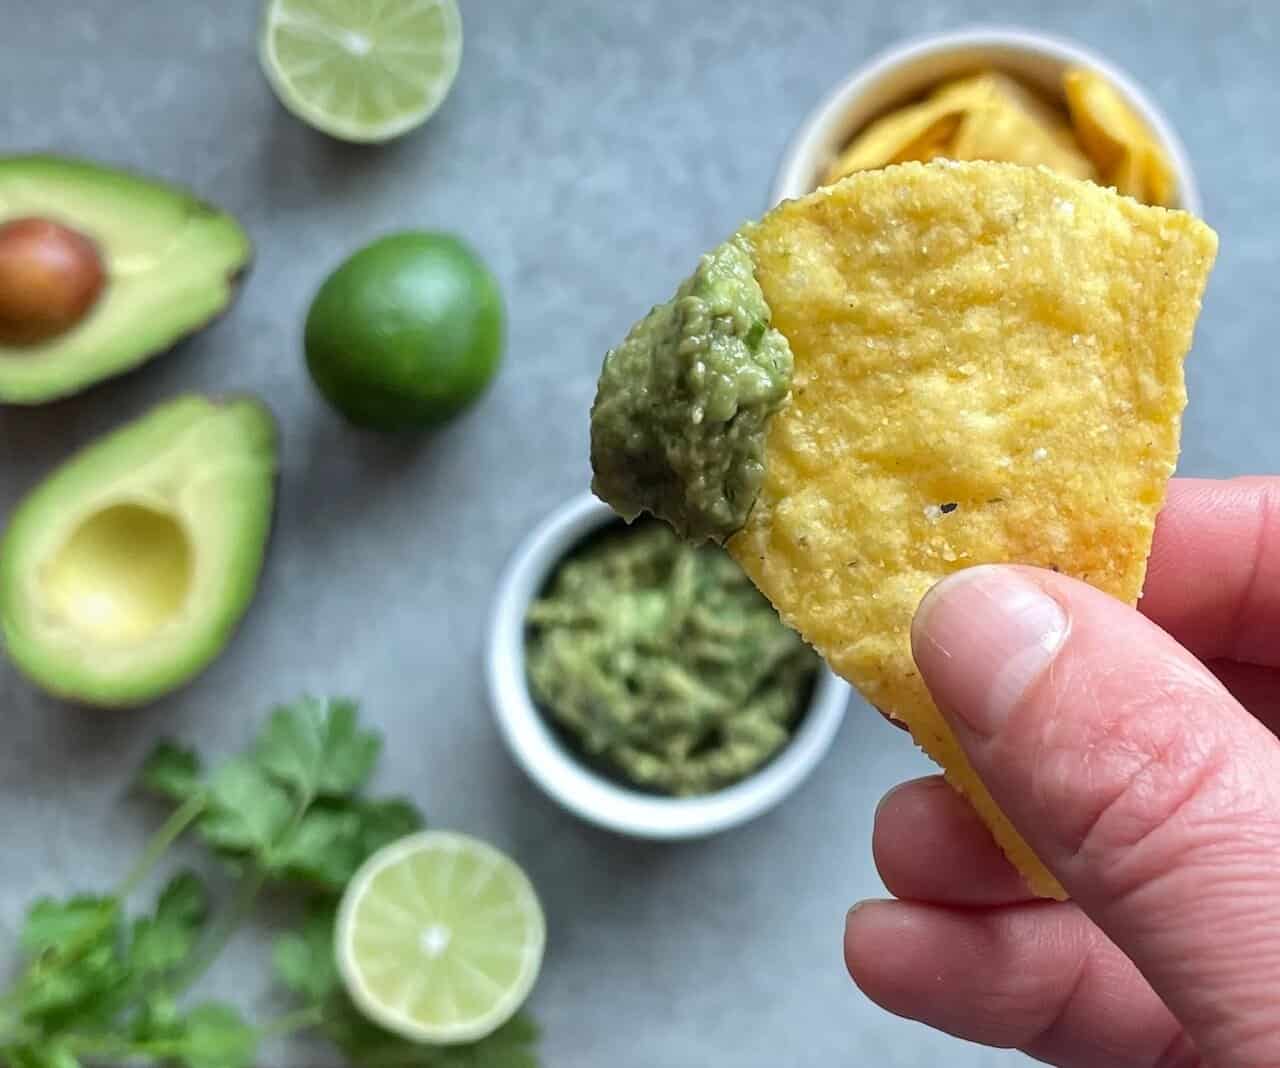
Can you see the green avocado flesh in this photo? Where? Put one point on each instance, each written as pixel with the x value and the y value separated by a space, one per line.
pixel 170 260
pixel 678 425
pixel 664 662
pixel 124 573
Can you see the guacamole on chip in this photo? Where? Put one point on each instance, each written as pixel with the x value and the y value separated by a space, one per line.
pixel 986 367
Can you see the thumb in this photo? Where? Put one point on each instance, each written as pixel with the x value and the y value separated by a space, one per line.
pixel 1138 779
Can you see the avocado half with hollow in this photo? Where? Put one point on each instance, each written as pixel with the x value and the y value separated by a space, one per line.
pixel 100 270
pixel 125 572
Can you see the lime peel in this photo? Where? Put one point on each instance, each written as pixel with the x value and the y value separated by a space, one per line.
pixel 405 333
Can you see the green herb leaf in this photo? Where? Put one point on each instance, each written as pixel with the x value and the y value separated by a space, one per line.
pixel 324 848
pixel 86 992
pixel 316 748
pixel 217 1036
pixel 157 1018
pixel 171 771
pixel 163 941
pixel 336 837
pixel 382 822
pixel 46 1055
pixel 96 989
pixel 76 971
pixel 55 925
pixel 247 811
pixel 304 959
pixel 513 1045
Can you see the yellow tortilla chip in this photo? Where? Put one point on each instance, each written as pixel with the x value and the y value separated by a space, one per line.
pixel 988 368
pixel 1005 122
pixel 919 133
pixel 933 141
pixel 1117 140
pixel 1128 177
pixel 986 116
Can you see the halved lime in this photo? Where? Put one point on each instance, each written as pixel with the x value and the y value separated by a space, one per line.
pixel 366 71
pixel 440 938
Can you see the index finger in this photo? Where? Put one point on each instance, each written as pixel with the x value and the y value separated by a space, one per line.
pixel 1213 581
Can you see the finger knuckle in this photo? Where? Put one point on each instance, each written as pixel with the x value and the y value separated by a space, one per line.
pixel 1125 783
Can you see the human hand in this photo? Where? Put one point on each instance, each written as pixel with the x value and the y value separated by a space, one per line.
pixel 1149 782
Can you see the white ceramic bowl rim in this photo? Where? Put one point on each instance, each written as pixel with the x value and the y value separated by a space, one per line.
pixel 808 149
pixel 596 799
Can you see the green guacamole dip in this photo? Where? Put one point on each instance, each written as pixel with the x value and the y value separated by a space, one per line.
pixel 664 663
pixel 678 424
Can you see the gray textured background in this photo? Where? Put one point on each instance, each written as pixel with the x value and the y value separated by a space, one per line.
pixel 590 150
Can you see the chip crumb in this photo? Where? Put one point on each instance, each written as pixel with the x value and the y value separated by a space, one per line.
pixel 1040 454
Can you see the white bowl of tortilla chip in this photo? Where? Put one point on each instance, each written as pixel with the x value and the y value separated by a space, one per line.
pixel 911 69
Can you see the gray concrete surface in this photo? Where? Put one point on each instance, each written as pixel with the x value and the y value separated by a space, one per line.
pixel 590 150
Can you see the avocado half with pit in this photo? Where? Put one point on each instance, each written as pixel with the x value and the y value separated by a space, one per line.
pixel 125 572
pixel 100 270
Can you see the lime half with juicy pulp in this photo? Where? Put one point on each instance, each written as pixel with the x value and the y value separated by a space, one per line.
pixel 366 71
pixel 440 938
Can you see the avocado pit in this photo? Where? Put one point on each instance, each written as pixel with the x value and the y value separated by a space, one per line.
pixel 50 277
pixel 123 574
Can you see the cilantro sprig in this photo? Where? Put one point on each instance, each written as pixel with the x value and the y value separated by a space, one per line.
pixel 98 986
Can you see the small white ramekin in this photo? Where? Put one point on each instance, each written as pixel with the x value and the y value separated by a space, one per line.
pixel 599 800
pixel 910 69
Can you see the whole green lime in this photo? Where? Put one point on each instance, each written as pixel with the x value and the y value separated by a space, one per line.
pixel 406 333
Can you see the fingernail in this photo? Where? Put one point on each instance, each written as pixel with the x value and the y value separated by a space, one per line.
pixel 880 808
pixel 915 784
pixel 981 638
